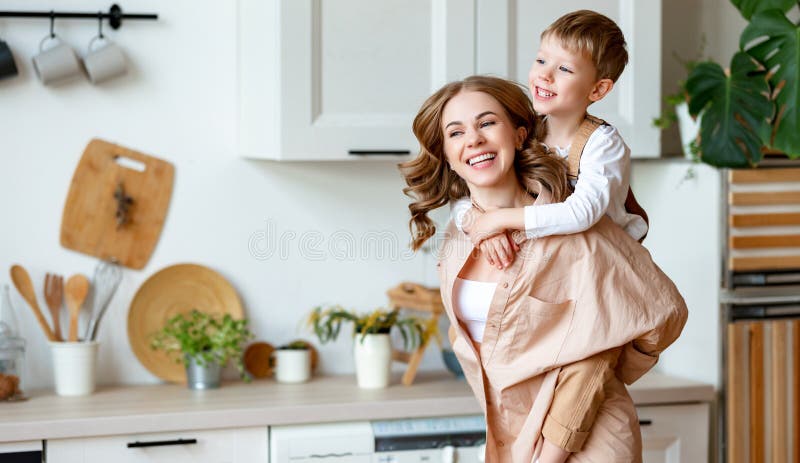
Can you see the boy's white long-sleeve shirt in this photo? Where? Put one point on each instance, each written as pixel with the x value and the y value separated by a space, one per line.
pixel 602 188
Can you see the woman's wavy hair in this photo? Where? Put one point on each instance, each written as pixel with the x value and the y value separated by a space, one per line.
pixel 431 182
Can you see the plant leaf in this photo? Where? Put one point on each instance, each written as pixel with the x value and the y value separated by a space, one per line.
pixel 735 110
pixel 780 53
pixel 750 7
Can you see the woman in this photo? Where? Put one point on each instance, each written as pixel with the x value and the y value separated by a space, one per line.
pixel 564 299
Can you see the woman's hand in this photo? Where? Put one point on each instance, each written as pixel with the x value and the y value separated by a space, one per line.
pixel 551 453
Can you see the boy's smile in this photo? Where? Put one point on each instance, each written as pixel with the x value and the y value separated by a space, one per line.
pixel 562 82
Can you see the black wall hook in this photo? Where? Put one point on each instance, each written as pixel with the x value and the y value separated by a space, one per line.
pixel 114 15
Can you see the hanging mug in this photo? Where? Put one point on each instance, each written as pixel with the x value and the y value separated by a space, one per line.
pixel 7 66
pixel 57 62
pixel 104 60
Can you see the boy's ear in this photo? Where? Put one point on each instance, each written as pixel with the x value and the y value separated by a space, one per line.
pixel 601 89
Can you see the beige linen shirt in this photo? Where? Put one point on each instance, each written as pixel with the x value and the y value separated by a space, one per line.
pixel 565 298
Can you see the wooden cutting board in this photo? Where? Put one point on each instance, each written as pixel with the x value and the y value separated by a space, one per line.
pixel 89 223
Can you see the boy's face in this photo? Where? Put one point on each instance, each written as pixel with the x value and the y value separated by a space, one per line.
pixel 562 82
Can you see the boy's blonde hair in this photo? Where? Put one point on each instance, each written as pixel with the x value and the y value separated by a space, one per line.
pixel 595 35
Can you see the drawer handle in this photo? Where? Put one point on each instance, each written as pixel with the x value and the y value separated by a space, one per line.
pixel 329 455
pixel 161 443
pixel 378 152
pixel 645 422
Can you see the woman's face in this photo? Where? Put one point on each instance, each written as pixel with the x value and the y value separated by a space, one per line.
pixel 480 140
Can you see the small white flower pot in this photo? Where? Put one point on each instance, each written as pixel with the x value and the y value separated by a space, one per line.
pixel 373 356
pixel 292 365
pixel 688 127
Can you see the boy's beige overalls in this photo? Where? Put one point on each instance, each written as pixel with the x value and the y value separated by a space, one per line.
pixel 565 299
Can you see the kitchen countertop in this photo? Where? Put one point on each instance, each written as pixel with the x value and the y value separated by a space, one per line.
pixel 125 410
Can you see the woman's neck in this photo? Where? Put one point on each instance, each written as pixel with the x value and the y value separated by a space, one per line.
pixel 508 194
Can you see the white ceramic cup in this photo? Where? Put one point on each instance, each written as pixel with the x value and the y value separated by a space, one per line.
pixel 56 63
pixel 292 365
pixel 104 60
pixel 74 366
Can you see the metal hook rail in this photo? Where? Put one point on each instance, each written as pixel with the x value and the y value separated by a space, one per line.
pixel 114 15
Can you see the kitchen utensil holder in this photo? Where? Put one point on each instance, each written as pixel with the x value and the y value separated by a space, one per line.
pixel 114 15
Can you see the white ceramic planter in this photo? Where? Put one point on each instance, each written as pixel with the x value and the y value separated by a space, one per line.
pixel 373 356
pixel 688 127
pixel 292 365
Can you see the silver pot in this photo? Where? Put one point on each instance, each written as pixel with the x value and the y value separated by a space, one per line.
pixel 202 376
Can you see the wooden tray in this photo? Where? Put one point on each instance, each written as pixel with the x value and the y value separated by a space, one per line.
pixel 175 290
pixel 89 222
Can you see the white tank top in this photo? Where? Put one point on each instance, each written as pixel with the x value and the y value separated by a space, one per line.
pixel 472 300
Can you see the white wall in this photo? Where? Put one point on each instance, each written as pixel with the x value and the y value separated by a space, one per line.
pixel 178 103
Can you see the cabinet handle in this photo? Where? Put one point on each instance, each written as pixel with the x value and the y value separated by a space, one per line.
pixel 378 152
pixel 329 455
pixel 161 443
pixel 645 422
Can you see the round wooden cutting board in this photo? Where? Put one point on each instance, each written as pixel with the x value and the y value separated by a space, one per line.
pixel 175 290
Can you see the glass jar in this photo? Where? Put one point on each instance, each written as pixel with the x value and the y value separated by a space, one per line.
pixel 12 351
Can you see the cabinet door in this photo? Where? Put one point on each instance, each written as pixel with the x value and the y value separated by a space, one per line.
pixel 508 37
pixel 351 74
pixel 220 446
pixel 674 433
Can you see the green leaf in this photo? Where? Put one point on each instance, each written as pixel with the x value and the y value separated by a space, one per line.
pixel 779 50
pixel 750 7
pixel 735 110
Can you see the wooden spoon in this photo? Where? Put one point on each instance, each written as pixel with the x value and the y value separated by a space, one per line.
pixel 75 291
pixel 22 281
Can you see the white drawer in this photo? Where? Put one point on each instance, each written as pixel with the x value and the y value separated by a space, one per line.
pixel 675 433
pixel 245 445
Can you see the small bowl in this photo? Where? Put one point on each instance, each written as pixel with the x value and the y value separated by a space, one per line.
pixel 451 361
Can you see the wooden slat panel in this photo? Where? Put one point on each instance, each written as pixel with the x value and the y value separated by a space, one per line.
pixel 744 264
pixel 756 391
pixel 796 390
pixel 765 220
pixel 737 394
pixel 752 198
pixel 764 241
pixel 779 396
pixel 764 175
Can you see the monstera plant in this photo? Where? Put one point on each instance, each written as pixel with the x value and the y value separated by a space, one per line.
pixel 756 102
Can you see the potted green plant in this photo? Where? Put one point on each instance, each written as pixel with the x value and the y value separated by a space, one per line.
pixel 204 343
pixel 372 347
pixel 676 110
pixel 754 104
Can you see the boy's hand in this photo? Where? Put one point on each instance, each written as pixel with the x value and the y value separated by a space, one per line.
pixel 483 226
pixel 468 220
pixel 500 250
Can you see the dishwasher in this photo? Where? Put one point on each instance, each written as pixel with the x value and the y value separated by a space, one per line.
pixel 454 439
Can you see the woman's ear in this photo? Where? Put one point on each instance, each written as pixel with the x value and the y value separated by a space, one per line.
pixel 601 89
pixel 521 135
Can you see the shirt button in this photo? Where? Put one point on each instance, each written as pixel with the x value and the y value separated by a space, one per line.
pixel 505 285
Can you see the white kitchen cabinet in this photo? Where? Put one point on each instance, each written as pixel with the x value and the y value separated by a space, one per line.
pixel 245 445
pixel 343 79
pixel 507 39
pixel 333 80
pixel 675 433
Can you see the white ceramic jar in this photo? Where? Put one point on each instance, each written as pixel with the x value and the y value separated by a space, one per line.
pixel 373 356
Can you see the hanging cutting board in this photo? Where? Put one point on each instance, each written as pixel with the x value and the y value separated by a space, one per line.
pixel 90 222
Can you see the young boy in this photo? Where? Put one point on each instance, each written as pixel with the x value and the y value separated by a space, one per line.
pixel 581 56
